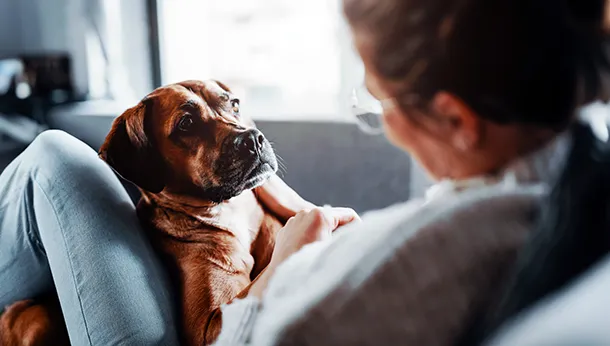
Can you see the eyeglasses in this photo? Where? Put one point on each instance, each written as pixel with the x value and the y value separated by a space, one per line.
pixel 368 111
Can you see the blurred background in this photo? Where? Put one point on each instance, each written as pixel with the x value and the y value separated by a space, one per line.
pixel 77 64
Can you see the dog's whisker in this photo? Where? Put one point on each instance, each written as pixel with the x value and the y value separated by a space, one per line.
pixel 282 169
pixel 281 162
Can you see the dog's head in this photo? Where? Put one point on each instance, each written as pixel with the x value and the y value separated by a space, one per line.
pixel 189 138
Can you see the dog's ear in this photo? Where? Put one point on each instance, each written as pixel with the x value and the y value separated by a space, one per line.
pixel 222 85
pixel 130 151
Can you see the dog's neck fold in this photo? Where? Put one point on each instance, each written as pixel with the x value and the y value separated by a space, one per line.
pixel 241 215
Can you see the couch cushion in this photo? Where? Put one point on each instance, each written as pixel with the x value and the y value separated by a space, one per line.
pixel 577 315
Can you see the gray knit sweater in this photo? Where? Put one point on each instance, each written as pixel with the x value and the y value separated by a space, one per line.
pixel 412 274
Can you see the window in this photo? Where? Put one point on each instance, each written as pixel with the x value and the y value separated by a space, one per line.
pixel 285 59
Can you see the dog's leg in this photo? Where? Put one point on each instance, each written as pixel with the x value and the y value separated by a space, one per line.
pixel 33 323
pixel 212 329
pixel 262 246
pixel 201 309
pixel 280 199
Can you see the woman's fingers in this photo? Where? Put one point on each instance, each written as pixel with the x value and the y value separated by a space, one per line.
pixel 337 217
pixel 341 216
pixel 309 226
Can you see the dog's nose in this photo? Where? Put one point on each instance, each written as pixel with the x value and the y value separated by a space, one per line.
pixel 250 142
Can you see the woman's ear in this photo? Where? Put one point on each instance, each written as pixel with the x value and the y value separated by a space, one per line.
pixel 129 151
pixel 281 199
pixel 462 124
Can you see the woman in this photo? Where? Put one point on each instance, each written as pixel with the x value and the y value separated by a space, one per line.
pixel 482 93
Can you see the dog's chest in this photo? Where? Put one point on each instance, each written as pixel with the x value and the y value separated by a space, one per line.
pixel 237 235
pixel 243 216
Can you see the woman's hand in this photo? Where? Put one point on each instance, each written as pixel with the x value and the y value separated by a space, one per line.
pixel 305 227
pixel 309 226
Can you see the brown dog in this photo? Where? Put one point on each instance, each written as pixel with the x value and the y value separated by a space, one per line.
pixel 196 161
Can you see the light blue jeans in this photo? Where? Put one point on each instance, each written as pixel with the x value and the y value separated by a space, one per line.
pixel 67 223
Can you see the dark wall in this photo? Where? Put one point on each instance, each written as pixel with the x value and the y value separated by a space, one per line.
pixel 19 26
pixel 39 26
pixel 327 163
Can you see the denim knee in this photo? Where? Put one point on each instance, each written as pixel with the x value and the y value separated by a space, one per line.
pixel 56 156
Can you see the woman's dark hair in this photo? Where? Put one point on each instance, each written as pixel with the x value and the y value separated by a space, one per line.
pixel 519 61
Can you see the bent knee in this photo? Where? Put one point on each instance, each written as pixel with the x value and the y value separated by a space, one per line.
pixel 55 152
pixel 50 142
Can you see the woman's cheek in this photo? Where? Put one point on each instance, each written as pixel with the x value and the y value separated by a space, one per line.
pixel 397 130
pixel 413 139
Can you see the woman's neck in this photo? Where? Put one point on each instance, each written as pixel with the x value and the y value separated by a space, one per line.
pixel 540 164
pixel 503 146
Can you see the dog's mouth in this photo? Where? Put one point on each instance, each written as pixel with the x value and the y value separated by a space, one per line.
pixel 261 172
pixel 239 173
pixel 256 170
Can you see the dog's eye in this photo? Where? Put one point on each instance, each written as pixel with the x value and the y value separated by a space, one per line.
pixel 186 122
pixel 224 97
pixel 235 107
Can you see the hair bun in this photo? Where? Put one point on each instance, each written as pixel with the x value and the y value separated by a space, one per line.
pixel 588 34
pixel 591 16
